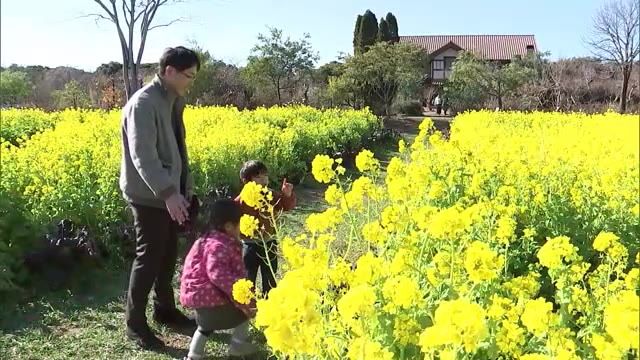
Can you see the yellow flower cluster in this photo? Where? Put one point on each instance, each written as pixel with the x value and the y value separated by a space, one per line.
pixel 536 316
pixel 323 168
pixel 366 162
pixel 249 225
pixel 604 240
pixel 512 239
pixel 256 196
pixel 456 322
pixel 555 251
pixel 243 291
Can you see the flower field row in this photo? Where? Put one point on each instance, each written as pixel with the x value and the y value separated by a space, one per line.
pixel 515 239
pixel 71 171
pixel 19 124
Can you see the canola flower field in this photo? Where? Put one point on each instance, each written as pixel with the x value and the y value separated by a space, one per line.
pixel 515 239
pixel 71 170
pixel 65 165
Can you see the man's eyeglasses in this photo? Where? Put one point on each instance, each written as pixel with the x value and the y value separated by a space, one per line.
pixel 188 76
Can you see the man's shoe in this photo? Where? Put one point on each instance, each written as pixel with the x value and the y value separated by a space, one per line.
pixel 173 318
pixel 145 338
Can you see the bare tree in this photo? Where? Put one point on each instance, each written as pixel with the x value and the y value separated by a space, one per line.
pixel 125 15
pixel 615 38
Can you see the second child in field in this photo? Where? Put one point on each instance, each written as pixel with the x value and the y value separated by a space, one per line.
pixel 261 253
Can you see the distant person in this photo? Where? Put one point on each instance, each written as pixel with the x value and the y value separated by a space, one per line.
pixel 438 103
pixel 156 183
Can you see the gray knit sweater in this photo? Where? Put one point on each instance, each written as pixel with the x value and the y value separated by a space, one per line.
pixel 154 156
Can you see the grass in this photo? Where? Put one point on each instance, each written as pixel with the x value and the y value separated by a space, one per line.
pixel 86 321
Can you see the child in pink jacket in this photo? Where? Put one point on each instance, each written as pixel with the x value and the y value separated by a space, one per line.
pixel 213 265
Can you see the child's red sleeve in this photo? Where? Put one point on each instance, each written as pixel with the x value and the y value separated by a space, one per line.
pixel 285 203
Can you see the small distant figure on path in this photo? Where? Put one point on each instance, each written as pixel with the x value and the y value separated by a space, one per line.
pixel 438 103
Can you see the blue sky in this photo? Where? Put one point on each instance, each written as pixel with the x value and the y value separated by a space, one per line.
pixel 54 33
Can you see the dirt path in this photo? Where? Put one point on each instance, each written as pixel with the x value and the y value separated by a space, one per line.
pixel 408 125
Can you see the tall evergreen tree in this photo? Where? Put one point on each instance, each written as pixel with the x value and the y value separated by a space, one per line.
pixel 384 35
pixel 356 36
pixel 393 27
pixel 368 30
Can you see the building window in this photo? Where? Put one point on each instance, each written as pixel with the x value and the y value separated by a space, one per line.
pixel 448 62
pixel 530 49
pixel 437 69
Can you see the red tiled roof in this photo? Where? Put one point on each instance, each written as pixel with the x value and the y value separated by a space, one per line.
pixel 490 47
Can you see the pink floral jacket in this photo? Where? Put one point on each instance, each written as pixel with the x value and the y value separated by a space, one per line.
pixel 212 266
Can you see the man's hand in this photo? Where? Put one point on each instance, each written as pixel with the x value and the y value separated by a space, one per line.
pixel 177 206
pixel 287 188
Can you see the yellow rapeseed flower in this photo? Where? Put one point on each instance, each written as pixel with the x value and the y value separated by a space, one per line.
pixel 537 316
pixel 457 322
pixel 365 161
pixel 249 225
pixel 322 168
pixel 603 240
pixel 621 320
pixel 243 291
pixel 482 263
pixel 556 251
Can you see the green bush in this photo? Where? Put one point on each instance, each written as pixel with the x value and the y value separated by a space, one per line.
pixel 411 108
pixel 16 237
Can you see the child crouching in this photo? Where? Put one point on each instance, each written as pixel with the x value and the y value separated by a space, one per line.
pixel 212 266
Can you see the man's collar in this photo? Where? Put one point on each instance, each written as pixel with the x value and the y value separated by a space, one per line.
pixel 165 88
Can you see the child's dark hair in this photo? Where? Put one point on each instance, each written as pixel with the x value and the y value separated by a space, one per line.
pixel 252 168
pixel 224 211
pixel 180 58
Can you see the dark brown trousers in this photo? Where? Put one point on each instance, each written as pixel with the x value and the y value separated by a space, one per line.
pixel 154 264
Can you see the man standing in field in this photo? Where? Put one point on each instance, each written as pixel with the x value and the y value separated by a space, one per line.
pixel 156 182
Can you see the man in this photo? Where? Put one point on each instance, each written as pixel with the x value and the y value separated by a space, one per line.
pixel 438 103
pixel 156 182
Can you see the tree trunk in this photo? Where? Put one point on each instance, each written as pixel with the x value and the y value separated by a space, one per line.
pixel 136 82
pixel 125 77
pixel 278 91
pixel 626 74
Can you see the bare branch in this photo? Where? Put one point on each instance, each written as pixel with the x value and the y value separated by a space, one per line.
pixel 144 30
pixel 603 50
pixel 167 24
pixel 615 29
pixel 97 17
pixel 152 12
pixel 133 11
pixel 104 7
pixel 125 12
pixel 144 11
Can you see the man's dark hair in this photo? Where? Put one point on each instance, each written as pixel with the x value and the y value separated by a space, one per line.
pixel 252 168
pixel 224 211
pixel 180 58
